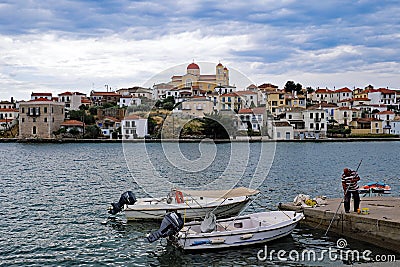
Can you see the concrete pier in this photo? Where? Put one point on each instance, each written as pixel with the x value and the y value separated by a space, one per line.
pixel 380 227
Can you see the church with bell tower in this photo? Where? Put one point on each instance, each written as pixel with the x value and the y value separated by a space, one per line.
pixel 193 78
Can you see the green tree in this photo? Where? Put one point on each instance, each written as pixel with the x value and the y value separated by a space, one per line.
pixel 218 126
pixel 290 86
pixel 74 131
pixel 92 131
pixel 93 111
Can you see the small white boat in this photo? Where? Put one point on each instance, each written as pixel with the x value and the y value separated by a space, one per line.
pixel 191 204
pixel 245 230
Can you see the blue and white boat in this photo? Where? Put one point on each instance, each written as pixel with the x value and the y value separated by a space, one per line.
pixel 245 230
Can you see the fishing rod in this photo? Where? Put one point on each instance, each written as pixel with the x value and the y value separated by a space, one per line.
pixel 340 204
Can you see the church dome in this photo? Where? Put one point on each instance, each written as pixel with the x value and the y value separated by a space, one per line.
pixel 193 66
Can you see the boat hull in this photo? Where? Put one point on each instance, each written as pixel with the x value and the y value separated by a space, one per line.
pixel 189 211
pixel 236 238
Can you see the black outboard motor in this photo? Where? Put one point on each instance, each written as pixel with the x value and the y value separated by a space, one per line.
pixel 170 225
pixel 126 198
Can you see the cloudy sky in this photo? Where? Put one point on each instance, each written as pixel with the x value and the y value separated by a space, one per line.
pixel 59 45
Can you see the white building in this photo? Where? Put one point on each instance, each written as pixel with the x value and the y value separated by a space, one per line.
pixel 283 130
pixel 133 126
pixel 315 122
pixel 126 101
pixel 196 107
pixel 249 99
pixel 344 115
pixel 386 117
pixel 322 95
pixel 395 126
pixel 341 94
pixel 8 117
pixel 252 117
pixel 72 100
pixel 382 96
pixel 47 96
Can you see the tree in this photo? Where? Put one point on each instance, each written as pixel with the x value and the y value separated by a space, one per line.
pixel 299 88
pixel 93 111
pixel 83 107
pixel 310 90
pixel 218 126
pixel 74 131
pixel 80 115
pixel 290 86
pixel 92 131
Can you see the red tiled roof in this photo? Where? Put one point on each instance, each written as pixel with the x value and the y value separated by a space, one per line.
pixel 9 110
pixel 388 112
pixel 347 108
pixel 326 91
pixel 111 119
pixel 229 94
pixel 41 94
pixel 85 100
pixel 72 123
pixel 40 99
pixel 105 93
pixel 366 119
pixel 246 93
pixel 386 91
pixel 343 90
pixel 6 120
pixel 259 110
pixel 132 117
pixel 66 93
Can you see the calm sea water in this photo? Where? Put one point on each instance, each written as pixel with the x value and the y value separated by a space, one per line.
pixel 54 197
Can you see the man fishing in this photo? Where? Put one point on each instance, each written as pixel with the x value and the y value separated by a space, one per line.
pixel 350 187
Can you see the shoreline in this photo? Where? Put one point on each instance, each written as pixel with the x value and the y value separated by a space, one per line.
pixel 240 140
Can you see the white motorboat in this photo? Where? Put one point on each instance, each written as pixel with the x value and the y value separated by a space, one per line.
pixel 191 204
pixel 245 230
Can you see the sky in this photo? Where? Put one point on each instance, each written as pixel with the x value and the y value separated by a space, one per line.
pixel 68 45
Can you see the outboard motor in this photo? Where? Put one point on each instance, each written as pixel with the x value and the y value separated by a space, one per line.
pixel 170 225
pixel 126 198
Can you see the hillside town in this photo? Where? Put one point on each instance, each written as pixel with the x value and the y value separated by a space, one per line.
pixel 197 105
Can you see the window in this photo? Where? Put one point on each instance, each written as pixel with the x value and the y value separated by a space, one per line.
pixel 278 135
pixel 45 109
pixel 311 116
pixel 127 124
pixel 322 115
pixel 311 125
pixel 23 119
pixel 290 116
pixel 34 130
pixel 322 126
pixel 23 110
pixel 34 119
pixel 45 120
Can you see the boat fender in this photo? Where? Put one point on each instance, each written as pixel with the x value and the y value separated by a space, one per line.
pixel 216 241
pixel 179 197
pixel 201 242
